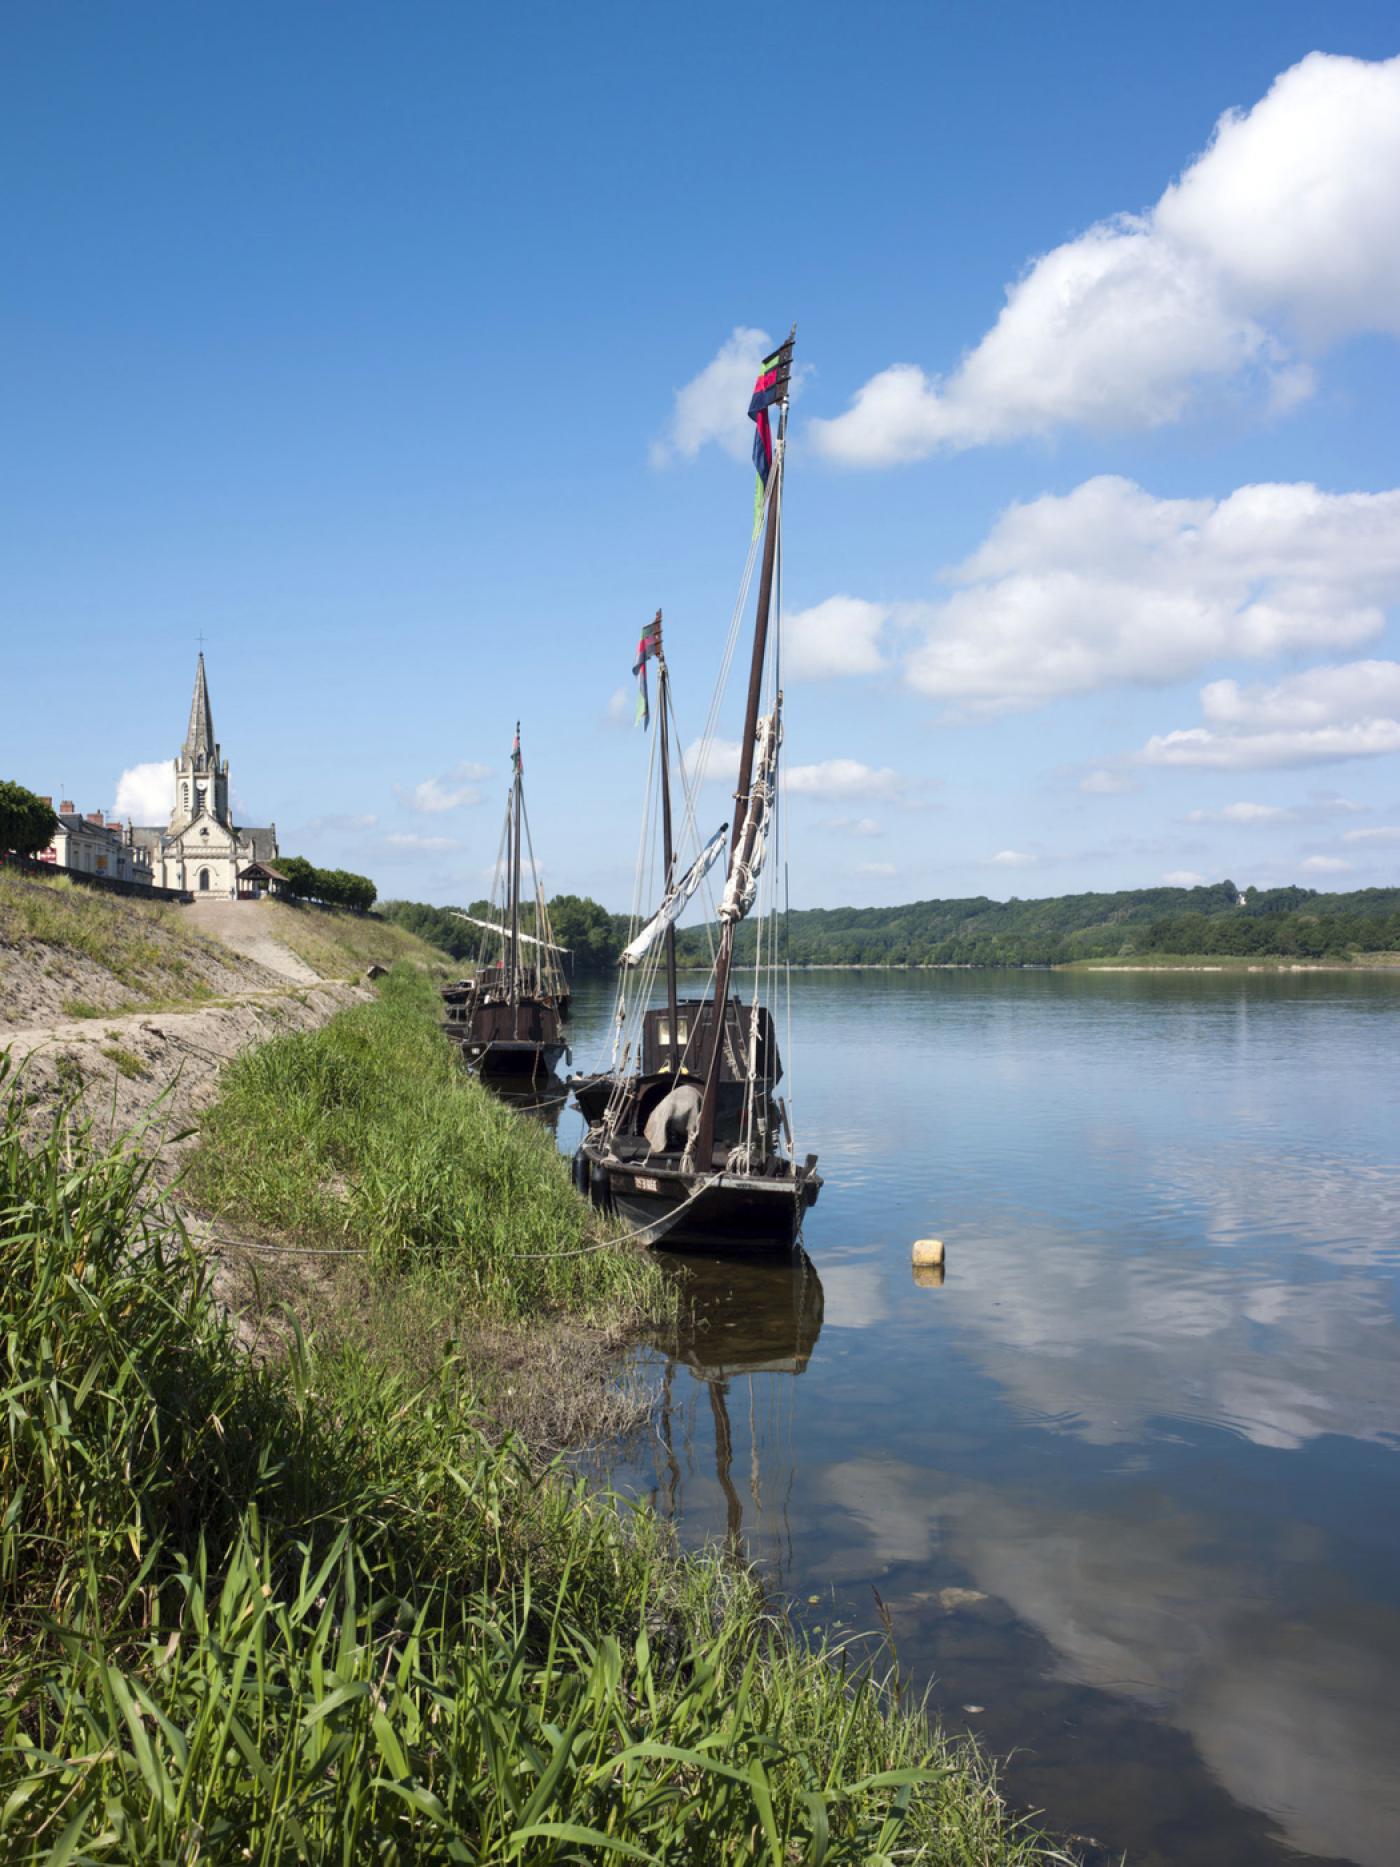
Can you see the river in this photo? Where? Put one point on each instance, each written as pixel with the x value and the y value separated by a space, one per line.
pixel 1126 1480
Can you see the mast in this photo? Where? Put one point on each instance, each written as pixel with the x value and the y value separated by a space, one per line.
pixel 667 849
pixel 515 888
pixel 705 1130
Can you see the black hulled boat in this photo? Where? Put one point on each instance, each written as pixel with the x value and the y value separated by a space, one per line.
pixel 508 1017
pixel 688 1140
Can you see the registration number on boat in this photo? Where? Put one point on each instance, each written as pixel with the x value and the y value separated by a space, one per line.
pixel 644 1185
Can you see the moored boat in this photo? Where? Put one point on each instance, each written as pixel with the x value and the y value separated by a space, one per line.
pixel 507 1018
pixel 688 1140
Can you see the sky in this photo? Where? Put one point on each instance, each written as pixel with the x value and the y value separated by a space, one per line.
pixel 402 356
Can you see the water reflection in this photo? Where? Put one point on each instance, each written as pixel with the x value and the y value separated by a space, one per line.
pixel 737 1319
pixel 1127 1476
pixel 542 1098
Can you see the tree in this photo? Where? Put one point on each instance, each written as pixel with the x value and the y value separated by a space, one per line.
pixel 336 888
pixel 301 876
pixel 27 823
pixel 586 928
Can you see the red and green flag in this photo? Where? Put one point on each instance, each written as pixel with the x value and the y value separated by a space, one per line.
pixel 774 374
pixel 648 648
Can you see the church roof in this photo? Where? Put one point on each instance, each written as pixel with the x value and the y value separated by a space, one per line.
pixel 199 740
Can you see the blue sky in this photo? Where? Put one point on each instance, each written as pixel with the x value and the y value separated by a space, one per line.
pixel 395 351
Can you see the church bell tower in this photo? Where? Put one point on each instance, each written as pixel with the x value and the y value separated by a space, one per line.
pixel 201 776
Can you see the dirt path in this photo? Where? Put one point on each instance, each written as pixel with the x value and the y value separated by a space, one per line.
pixel 238 925
pixel 160 1066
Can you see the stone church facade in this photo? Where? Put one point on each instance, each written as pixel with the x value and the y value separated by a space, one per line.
pixel 202 848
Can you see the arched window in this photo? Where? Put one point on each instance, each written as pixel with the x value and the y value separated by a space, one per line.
pixel 204 881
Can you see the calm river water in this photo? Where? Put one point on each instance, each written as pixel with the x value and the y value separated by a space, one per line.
pixel 1128 1480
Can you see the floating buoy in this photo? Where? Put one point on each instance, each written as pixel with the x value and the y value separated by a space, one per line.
pixel 928 1251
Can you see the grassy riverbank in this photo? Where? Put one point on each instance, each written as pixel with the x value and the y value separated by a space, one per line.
pixel 307 1607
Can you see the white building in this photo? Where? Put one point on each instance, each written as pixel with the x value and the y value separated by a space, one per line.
pixel 202 848
pixel 95 845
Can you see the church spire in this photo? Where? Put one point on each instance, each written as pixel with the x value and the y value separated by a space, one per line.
pixel 199 747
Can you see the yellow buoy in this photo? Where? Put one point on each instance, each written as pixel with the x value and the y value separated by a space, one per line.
pixel 928 1251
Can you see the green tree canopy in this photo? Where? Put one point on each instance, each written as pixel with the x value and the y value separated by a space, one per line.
pixel 27 823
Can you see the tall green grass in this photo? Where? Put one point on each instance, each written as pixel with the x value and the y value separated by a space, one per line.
pixel 368 1133
pixel 302 1612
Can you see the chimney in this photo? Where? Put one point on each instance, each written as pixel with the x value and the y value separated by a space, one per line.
pixel 48 801
pixel 67 806
pixel 94 816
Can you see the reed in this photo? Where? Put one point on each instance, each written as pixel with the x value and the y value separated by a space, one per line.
pixel 304 1612
pixel 368 1133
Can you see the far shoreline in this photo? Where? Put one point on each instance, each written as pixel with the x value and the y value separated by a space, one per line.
pixel 1166 962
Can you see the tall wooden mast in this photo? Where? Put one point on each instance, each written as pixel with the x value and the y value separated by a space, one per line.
pixel 705 1130
pixel 515 888
pixel 663 697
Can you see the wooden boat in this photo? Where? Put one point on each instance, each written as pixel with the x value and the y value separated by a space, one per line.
pixel 688 1140
pixel 507 1018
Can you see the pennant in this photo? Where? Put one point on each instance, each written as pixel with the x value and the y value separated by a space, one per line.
pixel 515 764
pixel 648 648
pixel 772 386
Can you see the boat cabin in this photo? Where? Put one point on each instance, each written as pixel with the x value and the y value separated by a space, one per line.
pixel 687 1049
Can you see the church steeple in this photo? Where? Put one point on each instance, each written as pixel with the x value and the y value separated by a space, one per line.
pixel 201 776
pixel 200 749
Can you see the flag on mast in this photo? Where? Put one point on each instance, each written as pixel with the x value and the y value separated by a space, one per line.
pixel 774 374
pixel 648 648
pixel 515 750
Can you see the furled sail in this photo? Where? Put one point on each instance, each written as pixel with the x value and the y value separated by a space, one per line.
pixel 504 932
pixel 675 901
pixel 741 890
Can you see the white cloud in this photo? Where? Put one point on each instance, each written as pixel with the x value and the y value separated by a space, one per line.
pixel 1278 240
pixel 717 763
pixel 876 869
pixel 1324 865
pixel 833 777
pixel 1382 833
pixel 854 826
pixel 146 793
pixel 1107 783
pixel 844 777
pixel 1012 859
pixel 713 406
pixel 410 839
pixel 839 636
pixel 1108 585
pixel 622 707
pixel 1241 813
pixel 1183 878
pixel 1320 715
pixel 450 791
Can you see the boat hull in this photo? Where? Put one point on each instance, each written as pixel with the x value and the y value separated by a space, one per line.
pixel 512 1059
pixel 720 1212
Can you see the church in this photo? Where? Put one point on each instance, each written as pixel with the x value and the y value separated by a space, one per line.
pixel 202 848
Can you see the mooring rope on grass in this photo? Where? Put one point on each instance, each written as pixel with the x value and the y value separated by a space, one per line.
pixel 358 1251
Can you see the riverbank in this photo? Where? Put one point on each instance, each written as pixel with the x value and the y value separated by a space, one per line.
pixel 1136 962
pixel 313 1603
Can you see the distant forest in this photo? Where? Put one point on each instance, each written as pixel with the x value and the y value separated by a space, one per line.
pixel 1290 923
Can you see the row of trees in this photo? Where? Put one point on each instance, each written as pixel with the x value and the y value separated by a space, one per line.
pixel 593 936
pixel 334 888
pixel 1285 922
pixel 27 823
